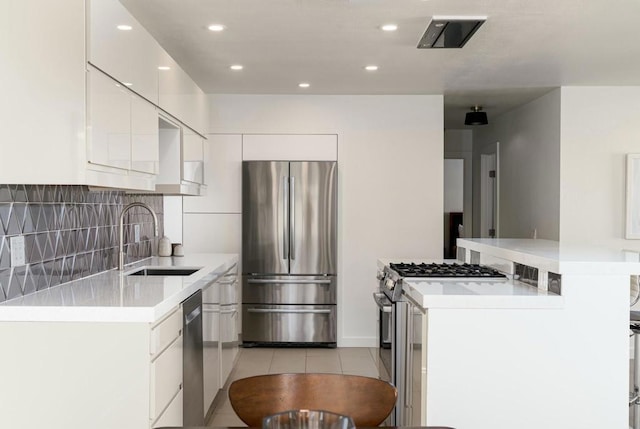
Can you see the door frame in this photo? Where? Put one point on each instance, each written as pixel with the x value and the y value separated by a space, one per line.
pixel 490 192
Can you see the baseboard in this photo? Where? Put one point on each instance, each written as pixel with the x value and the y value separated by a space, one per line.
pixel 357 342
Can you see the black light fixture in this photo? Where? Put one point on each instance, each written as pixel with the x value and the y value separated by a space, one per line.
pixel 476 117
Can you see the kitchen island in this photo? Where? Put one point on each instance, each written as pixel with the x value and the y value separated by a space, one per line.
pixel 102 352
pixel 549 347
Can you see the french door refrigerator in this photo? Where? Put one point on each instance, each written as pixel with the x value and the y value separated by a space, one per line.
pixel 289 229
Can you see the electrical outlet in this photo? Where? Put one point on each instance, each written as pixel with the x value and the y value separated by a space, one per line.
pixel 136 233
pixel 17 250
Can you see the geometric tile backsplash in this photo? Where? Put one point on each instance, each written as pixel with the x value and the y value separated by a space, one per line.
pixel 69 232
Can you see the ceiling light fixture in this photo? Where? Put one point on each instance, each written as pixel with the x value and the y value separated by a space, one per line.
pixel 236 67
pixel 371 68
pixel 216 27
pixel 164 68
pixel 389 27
pixel 304 85
pixel 124 27
pixel 476 117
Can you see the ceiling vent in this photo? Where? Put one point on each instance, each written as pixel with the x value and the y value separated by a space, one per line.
pixel 450 31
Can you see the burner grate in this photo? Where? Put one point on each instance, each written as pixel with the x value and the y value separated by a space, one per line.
pixel 445 270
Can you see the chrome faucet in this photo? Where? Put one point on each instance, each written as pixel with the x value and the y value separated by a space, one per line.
pixel 121 243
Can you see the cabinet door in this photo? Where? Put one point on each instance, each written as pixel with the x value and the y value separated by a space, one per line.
pixel 131 56
pixel 172 416
pixel 43 103
pixel 181 97
pixel 192 157
pixel 223 176
pixel 109 119
pixel 144 136
pixel 210 352
pixel 165 377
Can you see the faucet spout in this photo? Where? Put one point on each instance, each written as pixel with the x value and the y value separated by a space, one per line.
pixel 121 229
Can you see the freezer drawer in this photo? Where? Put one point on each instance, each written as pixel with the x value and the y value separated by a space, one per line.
pixel 289 323
pixel 289 289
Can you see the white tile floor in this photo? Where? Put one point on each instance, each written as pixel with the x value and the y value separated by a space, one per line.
pixel 256 361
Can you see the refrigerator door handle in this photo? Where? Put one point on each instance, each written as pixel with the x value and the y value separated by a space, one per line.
pixel 292 222
pixel 289 281
pixel 285 211
pixel 275 310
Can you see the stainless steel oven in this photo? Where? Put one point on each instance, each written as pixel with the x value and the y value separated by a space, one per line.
pixel 385 329
pixel 401 324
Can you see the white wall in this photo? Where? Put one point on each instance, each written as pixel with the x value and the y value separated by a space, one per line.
pixel 453 185
pixel 599 127
pixel 390 181
pixel 528 169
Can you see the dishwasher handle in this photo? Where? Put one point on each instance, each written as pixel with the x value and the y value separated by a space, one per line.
pixel 192 315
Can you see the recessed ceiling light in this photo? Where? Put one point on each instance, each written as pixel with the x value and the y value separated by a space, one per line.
pixel 371 68
pixel 389 27
pixel 127 83
pixel 304 85
pixel 164 68
pixel 124 27
pixel 216 27
pixel 236 67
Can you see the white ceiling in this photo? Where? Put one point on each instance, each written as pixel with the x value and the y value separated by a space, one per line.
pixel 525 48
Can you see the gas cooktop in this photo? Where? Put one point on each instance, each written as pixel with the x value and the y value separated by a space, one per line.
pixel 445 270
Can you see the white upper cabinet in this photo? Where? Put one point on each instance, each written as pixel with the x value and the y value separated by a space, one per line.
pixel 122 129
pixel 223 176
pixel 145 155
pixel 192 157
pixel 121 47
pixel 181 169
pixel 109 116
pixel 181 97
pixel 43 91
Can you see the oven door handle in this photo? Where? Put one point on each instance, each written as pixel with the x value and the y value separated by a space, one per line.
pixel 382 302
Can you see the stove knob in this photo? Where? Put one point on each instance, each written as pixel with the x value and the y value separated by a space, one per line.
pixel 390 283
pixel 380 275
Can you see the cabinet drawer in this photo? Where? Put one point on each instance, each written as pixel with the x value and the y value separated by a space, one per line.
pixel 166 377
pixel 165 332
pixel 172 416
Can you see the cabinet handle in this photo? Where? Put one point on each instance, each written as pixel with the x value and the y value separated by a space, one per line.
pixel 292 221
pixel 289 281
pixel 296 311
pixel 285 211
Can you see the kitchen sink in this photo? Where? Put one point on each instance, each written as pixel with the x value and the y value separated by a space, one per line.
pixel 149 271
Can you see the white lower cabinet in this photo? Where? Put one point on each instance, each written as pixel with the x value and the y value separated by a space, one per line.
pixel 220 333
pixel 165 372
pixel 166 377
pixel 102 375
pixel 172 416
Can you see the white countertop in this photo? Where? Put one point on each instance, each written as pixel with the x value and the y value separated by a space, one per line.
pixel 113 296
pixel 557 257
pixel 468 294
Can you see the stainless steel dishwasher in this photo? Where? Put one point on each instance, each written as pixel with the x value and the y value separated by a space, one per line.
pixel 192 374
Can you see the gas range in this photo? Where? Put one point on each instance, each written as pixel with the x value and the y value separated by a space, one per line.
pixel 393 274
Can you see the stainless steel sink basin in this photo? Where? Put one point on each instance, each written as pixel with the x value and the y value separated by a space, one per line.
pixel 164 272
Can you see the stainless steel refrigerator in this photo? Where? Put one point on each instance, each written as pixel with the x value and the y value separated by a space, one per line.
pixel 289 229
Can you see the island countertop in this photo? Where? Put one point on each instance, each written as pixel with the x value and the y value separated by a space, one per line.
pixel 115 296
pixel 556 257
pixel 466 293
